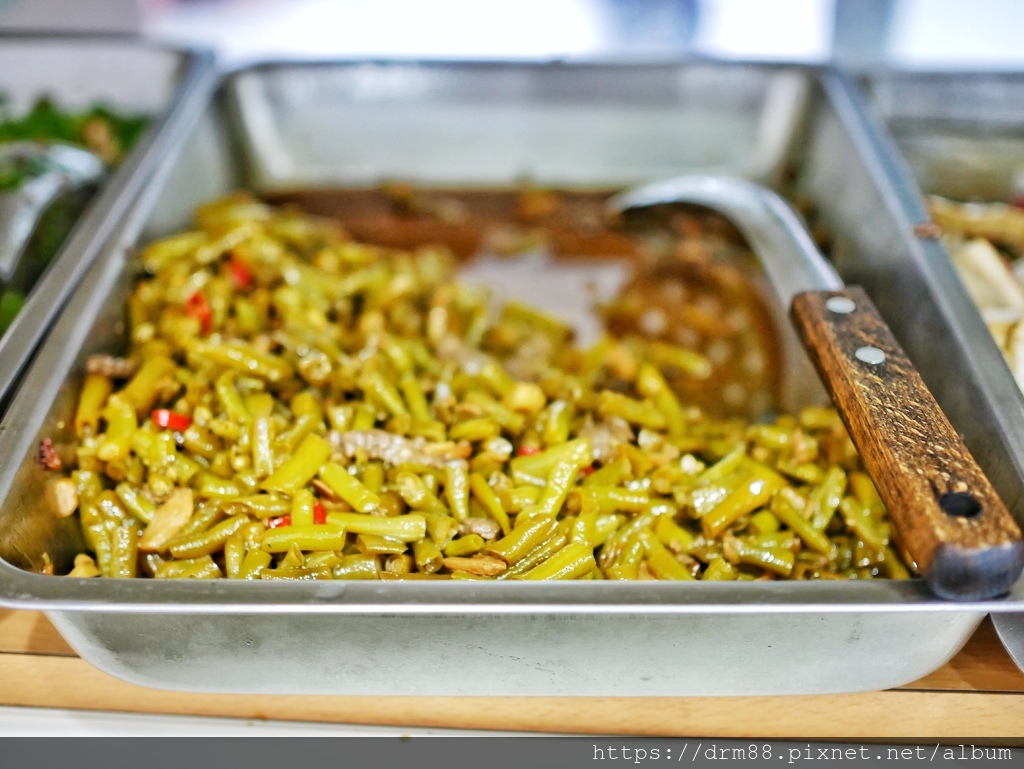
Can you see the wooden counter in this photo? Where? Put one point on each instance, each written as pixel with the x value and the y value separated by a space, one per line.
pixel 980 693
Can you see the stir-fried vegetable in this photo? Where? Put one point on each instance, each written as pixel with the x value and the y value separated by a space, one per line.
pixel 986 241
pixel 105 132
pixel 344 411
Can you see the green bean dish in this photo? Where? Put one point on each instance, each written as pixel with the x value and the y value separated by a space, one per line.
pixel 295 404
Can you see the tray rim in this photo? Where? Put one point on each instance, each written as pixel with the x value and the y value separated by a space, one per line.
pixel 26 590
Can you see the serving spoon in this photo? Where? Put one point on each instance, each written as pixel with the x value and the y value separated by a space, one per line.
pixel 964 541
pixel 53 170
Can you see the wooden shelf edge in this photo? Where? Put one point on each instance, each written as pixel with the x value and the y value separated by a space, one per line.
pixel 55 681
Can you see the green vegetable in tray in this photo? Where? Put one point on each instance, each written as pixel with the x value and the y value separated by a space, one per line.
pixel 106 132
pixel 16 171
pixel 11 301
pixel 98 129
pixel 297 405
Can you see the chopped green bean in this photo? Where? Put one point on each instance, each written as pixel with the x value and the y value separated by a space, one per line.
pixel 405 528
pixel 571 562
pixel 348 488
pixel 327 536
pixel 297 405
pixel 298 469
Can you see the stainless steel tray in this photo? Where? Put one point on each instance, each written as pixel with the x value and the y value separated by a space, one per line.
pixel 281 125
pixel 960 135
pixel 162 82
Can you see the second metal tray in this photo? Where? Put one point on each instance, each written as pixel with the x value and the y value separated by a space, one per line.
pixel 164 83
pixel 959 134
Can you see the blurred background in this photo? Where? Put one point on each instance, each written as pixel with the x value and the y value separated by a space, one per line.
pixel 915 33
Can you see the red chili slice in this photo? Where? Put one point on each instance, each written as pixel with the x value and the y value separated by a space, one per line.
pixel 587 470
pixel 240 273
pixel 281 520
pixel 525 451
pixel 171 420
pixel 319 512
pixel 197 307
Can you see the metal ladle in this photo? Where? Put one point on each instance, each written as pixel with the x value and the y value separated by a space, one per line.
pixel 61 169
pixel 964 541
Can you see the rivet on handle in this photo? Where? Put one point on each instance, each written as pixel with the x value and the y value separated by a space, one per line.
pixel 869 354
pixel 840 305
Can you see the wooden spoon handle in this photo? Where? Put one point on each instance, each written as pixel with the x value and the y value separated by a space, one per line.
pixel 963 539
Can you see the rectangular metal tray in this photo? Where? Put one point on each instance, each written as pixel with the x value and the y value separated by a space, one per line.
pixel 959 135
pixel 163 82
pixel 347 123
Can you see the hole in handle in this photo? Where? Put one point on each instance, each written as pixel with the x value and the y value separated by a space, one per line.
pixel 960 504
